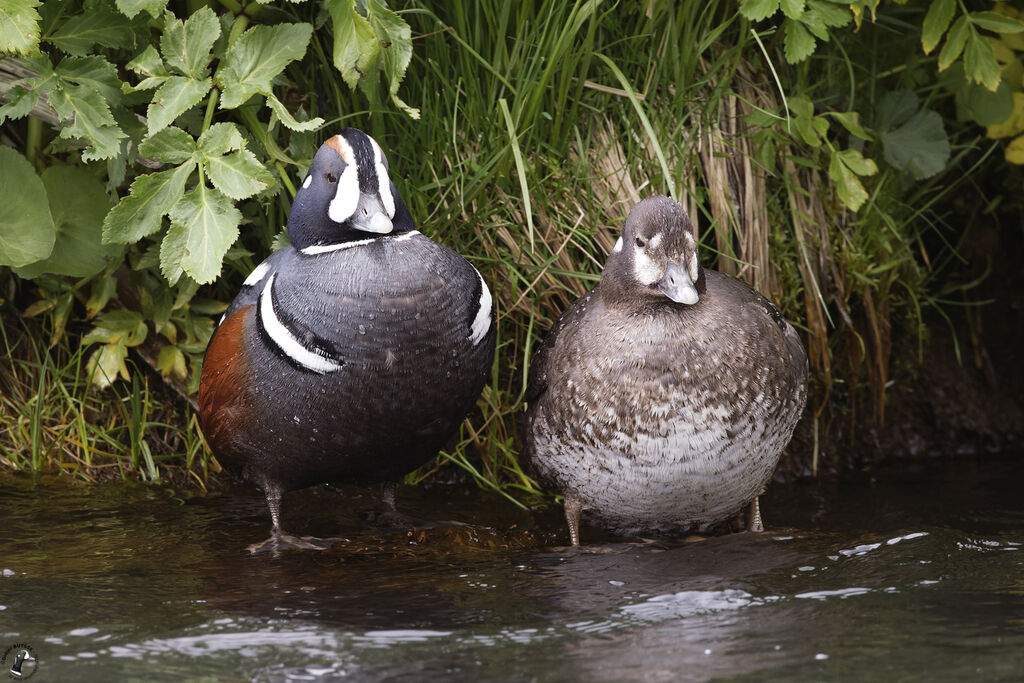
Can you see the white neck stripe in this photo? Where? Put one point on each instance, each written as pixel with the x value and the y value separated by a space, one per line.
pixel 482 321
pixel 315 249
pixel 285 340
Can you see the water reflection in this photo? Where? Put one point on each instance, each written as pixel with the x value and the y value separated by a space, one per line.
pixel 919 576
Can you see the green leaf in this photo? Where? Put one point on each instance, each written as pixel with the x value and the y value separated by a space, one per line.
pixel 98 26
pixel 78 204
pixel 355 45
pixel 204 223
pixel 102 291
pixel 799 43
pixel 832 15
pixel 27 232
pixel 132 7
pixel 171 362
pixel 92 72
pixel 289 121
pixel 850 120
pixel 19 103
pixel 151 197
pixel 186 45
pixel 170 145
pixel 856 162
pixel 118 326
pixel 395 39
pixel 220 138
pixel 90 120
pixel 980 62
pixel 919 147
pixel 238 175
pixel 936 21
pixel 172 99
pixel 756 10
pixel 987 108
pixel 812 22
pixel 19 26
pixel 259 54
pixel 895 108
pixel 993 21
pixel 792 8
pixel 850 190
pixel 148 63
pixel 106 364
pixel 955 42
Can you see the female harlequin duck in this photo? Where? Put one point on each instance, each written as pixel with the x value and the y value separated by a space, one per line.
pixel 662 399
pixel 355 352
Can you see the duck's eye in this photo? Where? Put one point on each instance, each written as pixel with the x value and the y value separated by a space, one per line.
pixel 640 242
pixel 331 177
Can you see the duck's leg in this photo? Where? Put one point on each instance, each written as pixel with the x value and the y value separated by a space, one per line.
pixel 280 539
pixel 573 508
pixel 754 521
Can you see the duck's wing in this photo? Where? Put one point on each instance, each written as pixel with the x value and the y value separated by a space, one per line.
pixel 571 319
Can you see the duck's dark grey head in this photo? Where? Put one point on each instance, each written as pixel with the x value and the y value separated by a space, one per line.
pixel 656 257
pixel 346 194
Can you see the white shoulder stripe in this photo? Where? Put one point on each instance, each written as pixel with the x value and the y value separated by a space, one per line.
pixel 257 274
pixel 327 248
pixel 482 322
pixel 283 338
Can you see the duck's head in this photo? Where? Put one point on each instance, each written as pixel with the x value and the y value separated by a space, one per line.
pixel 346 195
pixel 655 259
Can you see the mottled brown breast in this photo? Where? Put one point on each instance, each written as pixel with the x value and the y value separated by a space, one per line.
pixel 222 395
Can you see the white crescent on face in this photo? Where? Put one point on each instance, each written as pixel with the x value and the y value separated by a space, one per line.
pixel 346 197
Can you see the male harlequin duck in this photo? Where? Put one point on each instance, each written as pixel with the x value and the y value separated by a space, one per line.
pixel 355 352
pixel 662 399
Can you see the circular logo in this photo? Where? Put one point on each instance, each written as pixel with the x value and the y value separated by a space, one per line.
pixel 20 662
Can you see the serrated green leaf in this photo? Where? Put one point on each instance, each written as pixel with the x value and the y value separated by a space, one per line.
pixel 288 120
pixel 78 204
pixel 19 26
pixel 257 56
pixel 395 38
pixel 993 21
pixel 919 147
pixel 27 233
pixel 151 197
pixel 171 146
pixel 92 72
pixel 798 42
pixel 132 7
pixel 238 175
pixel 204 223
pixel 98 26
pixel 792 8
pixel 936 21
pixel 148 63
pixel 220 138
pixel 171 363
pixel 756 10
pixel 172 99
pixel 90 120
pixel 812 22
pixel 186 45
pixel 850 120
pixel 850 190
pixel 19 103
pixel 955 42
pixel 980 61
pixel 356 47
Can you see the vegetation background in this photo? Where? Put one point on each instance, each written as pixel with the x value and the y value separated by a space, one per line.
pixel 855 160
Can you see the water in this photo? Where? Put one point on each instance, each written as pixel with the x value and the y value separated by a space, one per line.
pixel 916 576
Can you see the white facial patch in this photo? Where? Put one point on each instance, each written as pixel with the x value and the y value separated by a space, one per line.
pixel 482 321
pixel 618 246
pixel 383 180
pixel 257 274
pixel 346 198
pixel 645 269
pixel 308 181
pixel 655 240
pixel 692 263
pixel 285 340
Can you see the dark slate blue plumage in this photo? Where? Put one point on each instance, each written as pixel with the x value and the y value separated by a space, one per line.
pixel 662 399
pixel 355 352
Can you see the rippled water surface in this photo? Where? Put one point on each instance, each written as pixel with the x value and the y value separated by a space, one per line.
pixel 915 575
